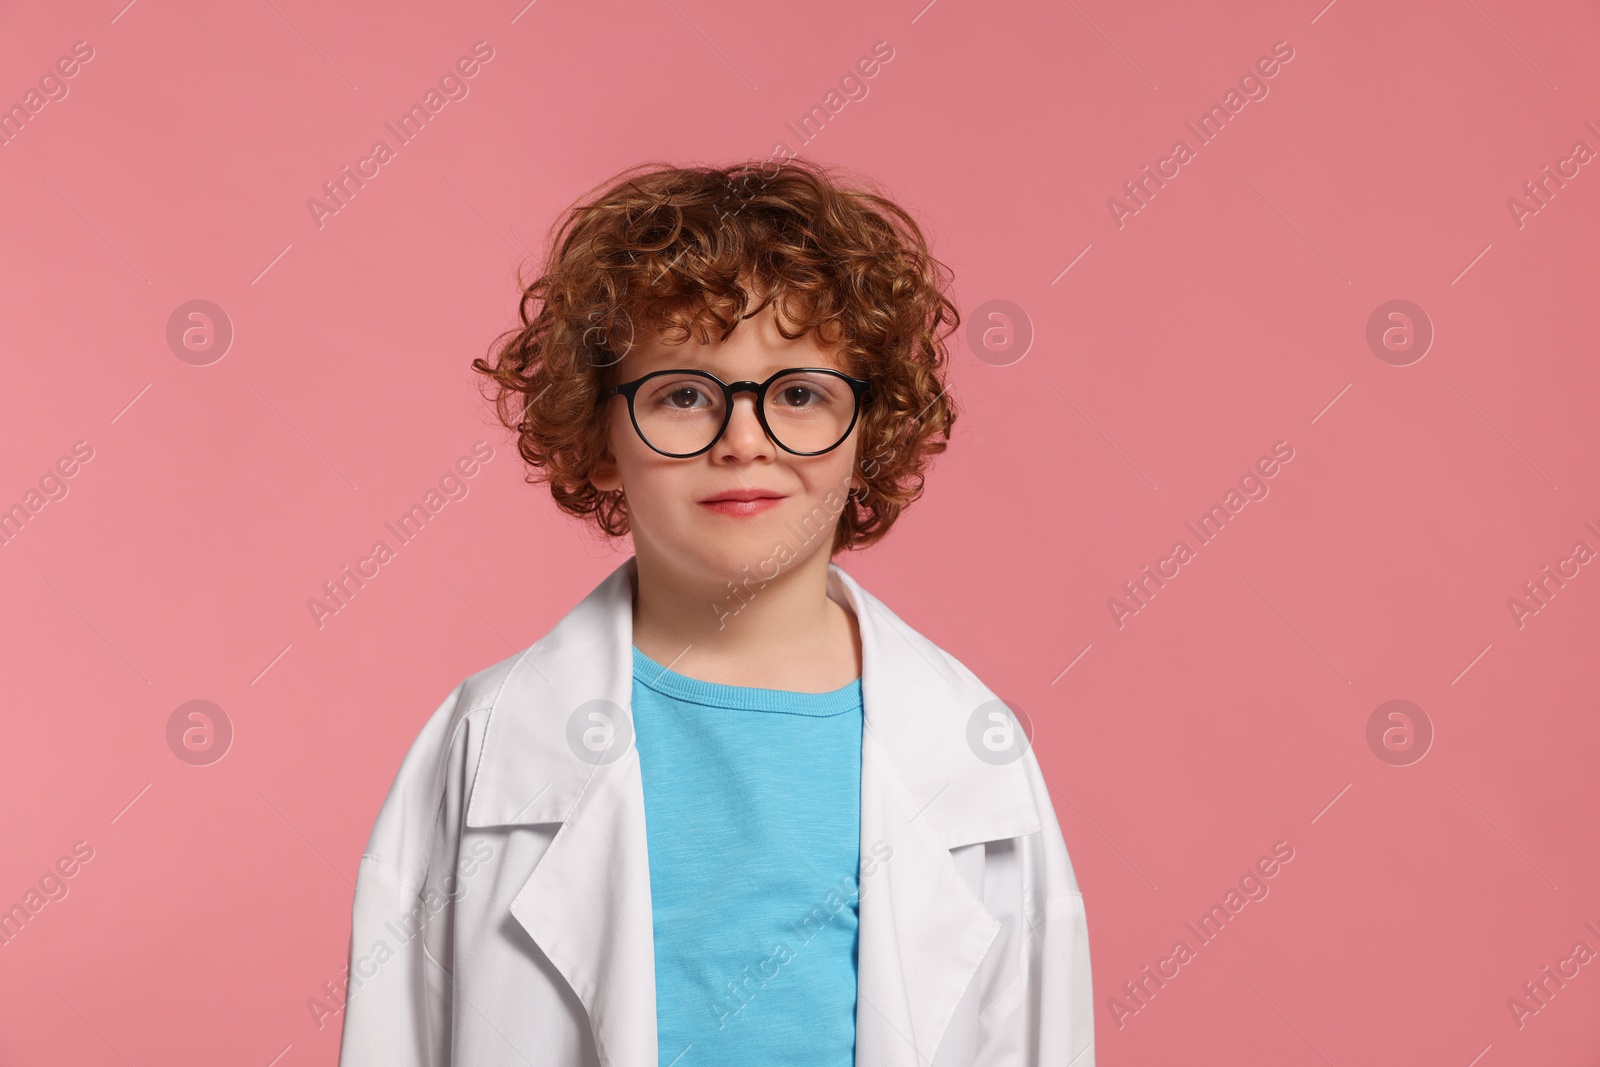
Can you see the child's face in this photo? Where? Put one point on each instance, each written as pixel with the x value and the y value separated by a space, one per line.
pixel 664 494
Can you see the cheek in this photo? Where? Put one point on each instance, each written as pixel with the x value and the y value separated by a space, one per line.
pixel 632 454
pixel 657 487
pixel 830 473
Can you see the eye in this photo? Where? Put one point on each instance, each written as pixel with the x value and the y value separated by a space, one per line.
pixel 800 393
pixel 798 396
pixel 681 394
pixel 683 397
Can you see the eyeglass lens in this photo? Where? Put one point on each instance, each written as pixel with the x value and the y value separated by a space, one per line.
pixel 806 411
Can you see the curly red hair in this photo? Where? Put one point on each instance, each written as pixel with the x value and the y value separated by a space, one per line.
pixel 683 251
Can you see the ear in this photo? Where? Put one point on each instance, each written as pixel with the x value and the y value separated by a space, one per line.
pixel 605 476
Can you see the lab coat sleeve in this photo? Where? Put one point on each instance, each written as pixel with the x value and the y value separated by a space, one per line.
pixel 1046 1016
pixel 399 1006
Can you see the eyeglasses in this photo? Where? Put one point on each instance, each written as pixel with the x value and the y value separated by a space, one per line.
pixel 681 413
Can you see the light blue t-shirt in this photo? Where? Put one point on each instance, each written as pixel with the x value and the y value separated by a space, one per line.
pixel 753 817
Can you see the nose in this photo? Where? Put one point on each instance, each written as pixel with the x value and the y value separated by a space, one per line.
pixel 745 438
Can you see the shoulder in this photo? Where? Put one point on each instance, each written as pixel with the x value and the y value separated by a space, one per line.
pixel 472 698
pixel 444 737
pixel 431 786
pixel 979 714
pixel 907 640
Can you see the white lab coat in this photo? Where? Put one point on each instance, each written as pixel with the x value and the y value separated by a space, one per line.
pixel 502 907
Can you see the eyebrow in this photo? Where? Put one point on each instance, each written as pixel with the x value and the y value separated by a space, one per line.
pixel 662 361
pixel 731 377
pixel 654 355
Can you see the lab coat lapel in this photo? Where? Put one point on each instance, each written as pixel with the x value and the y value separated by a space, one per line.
pixel 587 902
pixel 923 930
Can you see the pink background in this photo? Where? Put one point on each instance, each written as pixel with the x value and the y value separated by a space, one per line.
pixel 1228 314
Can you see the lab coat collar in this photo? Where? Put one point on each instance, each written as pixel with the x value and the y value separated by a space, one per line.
pixel 923 931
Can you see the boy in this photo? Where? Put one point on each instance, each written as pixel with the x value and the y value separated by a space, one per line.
pixel 730 809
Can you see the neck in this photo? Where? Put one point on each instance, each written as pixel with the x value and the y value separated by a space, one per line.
pixel 781 632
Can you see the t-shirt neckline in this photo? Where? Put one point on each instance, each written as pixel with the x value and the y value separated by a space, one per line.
pixel 670 683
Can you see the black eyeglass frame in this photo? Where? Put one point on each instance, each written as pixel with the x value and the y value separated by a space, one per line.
pixel 859 387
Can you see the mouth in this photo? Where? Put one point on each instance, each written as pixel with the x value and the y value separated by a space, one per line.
pixel 742 502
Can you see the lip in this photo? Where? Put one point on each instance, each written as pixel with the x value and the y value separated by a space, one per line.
pixel 743 502
pixel 743 494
